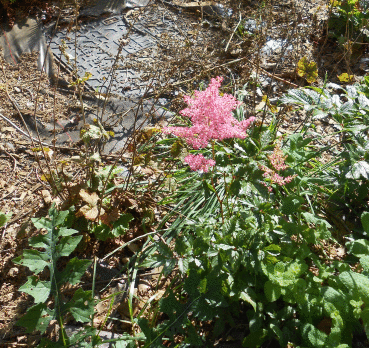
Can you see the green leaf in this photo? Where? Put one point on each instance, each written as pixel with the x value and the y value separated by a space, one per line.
pixel 358 170
pixel 33 259
pixel 255 339
pixel 74 270
pixel 245 296
pixel 122 224
pixel 284 274
pixel 64 232
pixel 273 249
pixel 365 318
pixel 291 204
pixel 39 290
pixel 81 306
pixel 67 245
pixel 4 218
pixel 365 221
pixel 314 336
pixel 37 318
pixel 355 284
pixel 272 291
pixel 359 247
pixel 364 261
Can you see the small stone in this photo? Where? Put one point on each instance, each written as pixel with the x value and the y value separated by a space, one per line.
pixel 17 89
pixel 13 272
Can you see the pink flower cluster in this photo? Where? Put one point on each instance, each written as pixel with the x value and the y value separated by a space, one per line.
pixel 199 162
pixel 212 119
pixel 277 161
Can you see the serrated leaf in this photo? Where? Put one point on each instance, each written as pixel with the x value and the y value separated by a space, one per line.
pixel 90 213
pixel 37 318
pixel 291 204
pixel 176 149
pixel 90 198
pixel 346 78
pixel 39 290
pixel 183 265
pixel 308 70
pixel 81 306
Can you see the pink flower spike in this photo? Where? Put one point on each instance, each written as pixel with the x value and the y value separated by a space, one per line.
pixel 211 117
pixel 199 162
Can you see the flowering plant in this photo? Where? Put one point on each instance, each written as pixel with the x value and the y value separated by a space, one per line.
pixel 277 162
pixel 212 119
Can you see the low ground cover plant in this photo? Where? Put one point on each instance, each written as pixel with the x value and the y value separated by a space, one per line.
pixel 251 243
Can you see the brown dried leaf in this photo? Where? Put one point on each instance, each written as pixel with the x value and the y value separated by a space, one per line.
pixel 90 213
pixel 110 216
pixel 88 198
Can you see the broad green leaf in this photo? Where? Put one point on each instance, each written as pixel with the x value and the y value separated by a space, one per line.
pixel 41 223
pixel 284 274
pixel 37 318
pixel 255 339
pixel 272 291
pixel 81 306
pixel 34 260
pixel 64 232
pixel 314 336
pixel 74 271
pixel 313 219
pixel 273 249
pixel 357 285
pixel 39 290
pixel 336 297
pixel 67 245
pixel 359 247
